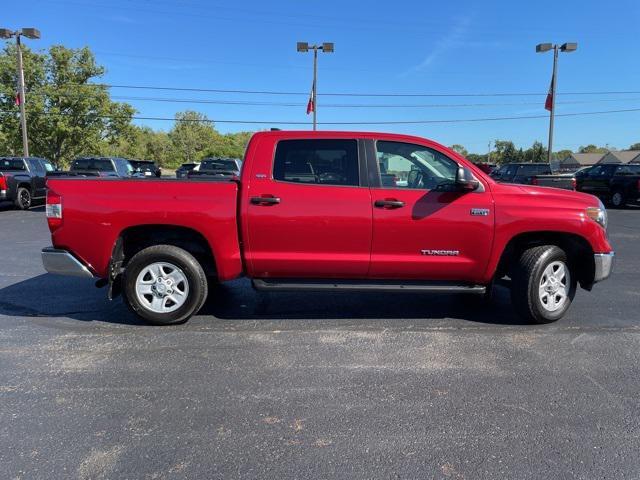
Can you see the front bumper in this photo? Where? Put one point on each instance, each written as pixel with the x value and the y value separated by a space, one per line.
pixel 603 265
pixel 61 262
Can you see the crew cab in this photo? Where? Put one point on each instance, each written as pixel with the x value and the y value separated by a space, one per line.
pixel 618 184
pixel 311 211
pixel 23 180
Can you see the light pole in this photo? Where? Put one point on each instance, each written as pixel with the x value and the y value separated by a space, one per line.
pixel 33 33
pixel 304 47
pixel 551 96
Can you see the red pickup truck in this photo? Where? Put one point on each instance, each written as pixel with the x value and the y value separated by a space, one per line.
pixel 339 211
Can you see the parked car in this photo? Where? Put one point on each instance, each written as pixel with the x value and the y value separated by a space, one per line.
pixel 618 184
pixel 310 212
pixel 522 173
pixel 22 180
pixel 185 168
pixel 217 167
pixel 146 168
pixel 102 167
pixel 486 167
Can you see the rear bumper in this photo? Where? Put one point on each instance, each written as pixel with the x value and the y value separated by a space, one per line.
pixel 61 262
pixel 603 266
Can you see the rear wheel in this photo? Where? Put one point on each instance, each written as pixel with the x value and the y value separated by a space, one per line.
pixel 618 200
pixel 23 198
pixel 164 285
pixel 542 284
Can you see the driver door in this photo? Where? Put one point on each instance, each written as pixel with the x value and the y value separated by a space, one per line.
pixel 423 228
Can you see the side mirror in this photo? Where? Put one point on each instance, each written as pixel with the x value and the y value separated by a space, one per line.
pixel 465 181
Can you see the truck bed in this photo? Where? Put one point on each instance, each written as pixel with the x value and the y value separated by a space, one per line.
pixel 102 209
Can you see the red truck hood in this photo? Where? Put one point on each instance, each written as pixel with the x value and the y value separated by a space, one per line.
pixel 547 194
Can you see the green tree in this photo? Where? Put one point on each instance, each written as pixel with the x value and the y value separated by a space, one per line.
pixel 67 114
pixel 592 149
pixel 459 149
pixel 562 154
pixel 191 137
pixel 635 146
pixel 536 153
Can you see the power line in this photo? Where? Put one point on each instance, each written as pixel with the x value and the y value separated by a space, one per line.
pixel 383 122
pixel 341 94
pixel 341 105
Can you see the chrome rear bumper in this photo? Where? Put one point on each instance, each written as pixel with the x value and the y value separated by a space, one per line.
pixel 61 262
pixel 603 265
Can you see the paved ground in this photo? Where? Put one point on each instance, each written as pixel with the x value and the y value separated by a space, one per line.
pixel 314 386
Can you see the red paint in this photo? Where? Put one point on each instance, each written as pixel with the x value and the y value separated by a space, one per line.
pixel 322 231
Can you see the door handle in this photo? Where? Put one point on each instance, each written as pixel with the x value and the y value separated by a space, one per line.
pixel 265 200
pixel 388 203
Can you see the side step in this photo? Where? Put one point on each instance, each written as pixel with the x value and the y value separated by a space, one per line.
pixel 283 285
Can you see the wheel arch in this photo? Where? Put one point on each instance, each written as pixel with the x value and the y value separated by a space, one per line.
pixel 133 239
pixel 578 250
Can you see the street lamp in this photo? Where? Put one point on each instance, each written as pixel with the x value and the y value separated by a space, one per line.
pixel 304 47
pixel 34 34
pixel 545 47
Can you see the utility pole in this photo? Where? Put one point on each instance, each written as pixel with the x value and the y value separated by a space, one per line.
pixel 29 33
pixel 550 104
pixel 23 113
pixel 303 47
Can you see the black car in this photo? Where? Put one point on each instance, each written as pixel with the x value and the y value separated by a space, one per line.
pixel 523 173
pixel 218 167
pixel 23 180
pixel 146 168
pixel 185 168
pixel 102 167
pixel 617 184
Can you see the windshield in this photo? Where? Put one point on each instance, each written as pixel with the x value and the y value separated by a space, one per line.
pixel 12 164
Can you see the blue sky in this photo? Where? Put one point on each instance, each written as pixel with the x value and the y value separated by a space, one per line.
pixel 455 47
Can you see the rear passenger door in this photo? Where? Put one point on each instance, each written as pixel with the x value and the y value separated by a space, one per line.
pixel 307 209
pixel 38 180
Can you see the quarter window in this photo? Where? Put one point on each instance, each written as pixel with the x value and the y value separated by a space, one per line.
pixel 405 165
pixel 321 162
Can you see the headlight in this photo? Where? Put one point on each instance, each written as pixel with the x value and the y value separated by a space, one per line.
pixel 598 214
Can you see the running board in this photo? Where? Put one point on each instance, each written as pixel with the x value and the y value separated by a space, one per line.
pixel 281 285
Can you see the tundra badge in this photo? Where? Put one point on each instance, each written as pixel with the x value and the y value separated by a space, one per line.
pixel 483 212
pixel 441 253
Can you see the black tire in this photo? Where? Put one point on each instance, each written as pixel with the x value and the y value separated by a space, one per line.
pixel 189 266
pixel 23 199
pixel 618 199
pixel 526 279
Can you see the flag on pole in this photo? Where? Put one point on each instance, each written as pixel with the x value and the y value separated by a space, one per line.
pixel 18 99
pixel 548 103
pixel 311 104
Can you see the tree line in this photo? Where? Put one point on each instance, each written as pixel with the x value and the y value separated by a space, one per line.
pixel 70 114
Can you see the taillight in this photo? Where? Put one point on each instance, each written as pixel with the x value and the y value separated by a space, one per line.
pixel 3 185
pixel 534 181
pixel 53 210
pixel 574 183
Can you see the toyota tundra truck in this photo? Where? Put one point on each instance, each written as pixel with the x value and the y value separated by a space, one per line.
pixel 330 211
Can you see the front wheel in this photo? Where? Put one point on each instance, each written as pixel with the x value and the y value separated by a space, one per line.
pixel 164 285
pixel 543 285
pixel 23 198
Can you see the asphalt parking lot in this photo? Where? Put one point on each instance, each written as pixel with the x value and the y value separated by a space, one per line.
pixel 314 385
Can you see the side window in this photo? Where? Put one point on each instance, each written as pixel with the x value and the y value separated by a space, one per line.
pixel 80 165
pixel 406 165
pixel 323 162
pixel 36 167
pixel 47 166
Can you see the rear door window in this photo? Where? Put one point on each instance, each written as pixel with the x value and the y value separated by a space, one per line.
pixel 317 162
pixel 12 164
